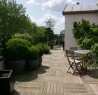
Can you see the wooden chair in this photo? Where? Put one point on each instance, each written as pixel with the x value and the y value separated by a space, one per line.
pixel 74 64
pixel 77 56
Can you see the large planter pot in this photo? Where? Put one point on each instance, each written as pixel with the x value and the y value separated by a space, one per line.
pixel 6 85
pixel 17 66
pixel 40 61
pixel 33 64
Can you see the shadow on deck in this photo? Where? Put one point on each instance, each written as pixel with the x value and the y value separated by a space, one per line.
pixel 30 75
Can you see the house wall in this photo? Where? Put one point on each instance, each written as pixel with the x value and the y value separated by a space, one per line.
pixel 69 19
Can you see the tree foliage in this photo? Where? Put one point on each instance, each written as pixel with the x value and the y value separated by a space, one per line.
pixel 25 36
pixel 58 39
pixel 39 34
pixel 86 35
pixel 49 35
pixel 13 19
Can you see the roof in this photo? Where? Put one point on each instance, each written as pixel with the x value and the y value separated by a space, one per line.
pixel 80 8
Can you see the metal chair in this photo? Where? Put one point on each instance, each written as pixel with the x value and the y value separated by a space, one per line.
pixel 74 64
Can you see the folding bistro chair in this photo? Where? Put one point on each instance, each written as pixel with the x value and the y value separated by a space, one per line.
pixel 77 56
pixel 74 64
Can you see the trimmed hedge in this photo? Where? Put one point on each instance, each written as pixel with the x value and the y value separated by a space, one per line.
pixel 16 49
pixel 41 50
pixel 45 47
pixel 24 36
pixel 33 53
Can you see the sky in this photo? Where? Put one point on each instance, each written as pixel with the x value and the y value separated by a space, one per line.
pixel 40 11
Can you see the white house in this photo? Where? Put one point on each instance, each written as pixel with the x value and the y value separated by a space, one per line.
pixel 77 12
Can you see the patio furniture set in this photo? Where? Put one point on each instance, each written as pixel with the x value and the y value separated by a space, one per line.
pixel 81 61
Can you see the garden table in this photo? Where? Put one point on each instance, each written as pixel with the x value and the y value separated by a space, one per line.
pixel 82 51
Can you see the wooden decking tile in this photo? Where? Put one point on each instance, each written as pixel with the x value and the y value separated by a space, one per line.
pixel 55 72
pixel 74 88
pixel 29 87
pixel 90 80
pixel 52 79
pixel 52 88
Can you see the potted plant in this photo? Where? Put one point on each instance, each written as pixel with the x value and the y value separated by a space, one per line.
pixel 41 51
pixel 24 36
pixel 32 58
pixel 15 54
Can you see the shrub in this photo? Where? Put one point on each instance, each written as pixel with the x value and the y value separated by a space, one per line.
pixel 87 43
pixel 27 43
pixel 45 47
pixel 23 36
pixel 16 49
pixel 41 51
pixel 41 44
pixel 85 33
pixel 95 48
pixel 33 53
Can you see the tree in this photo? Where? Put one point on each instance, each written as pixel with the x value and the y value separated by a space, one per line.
pixel 85 34
pixel 50 23
pixel 39 34
pixel 13 19
pixel 59 39
pixel 49 35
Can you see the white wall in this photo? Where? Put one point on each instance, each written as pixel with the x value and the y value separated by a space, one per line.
pixel 69 19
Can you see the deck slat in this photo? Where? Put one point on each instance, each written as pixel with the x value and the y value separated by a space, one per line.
pixel 52 79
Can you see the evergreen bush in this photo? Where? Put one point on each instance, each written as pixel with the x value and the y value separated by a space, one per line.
pixel 41 51
pixel 16 49
pixel 33 53
pixel 25 36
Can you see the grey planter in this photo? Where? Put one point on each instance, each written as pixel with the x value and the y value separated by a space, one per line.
pixel 33 64
pixel 6 85
pixel 40 61
pixel 17 66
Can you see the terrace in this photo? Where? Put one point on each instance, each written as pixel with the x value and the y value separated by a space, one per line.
pixel 52 79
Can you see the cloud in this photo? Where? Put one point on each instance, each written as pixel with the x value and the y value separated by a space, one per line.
pixel 59 22
pixel 35 1
pixel 59 25
pixel 52 5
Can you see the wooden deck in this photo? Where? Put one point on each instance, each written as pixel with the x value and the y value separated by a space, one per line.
pixel 52 79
